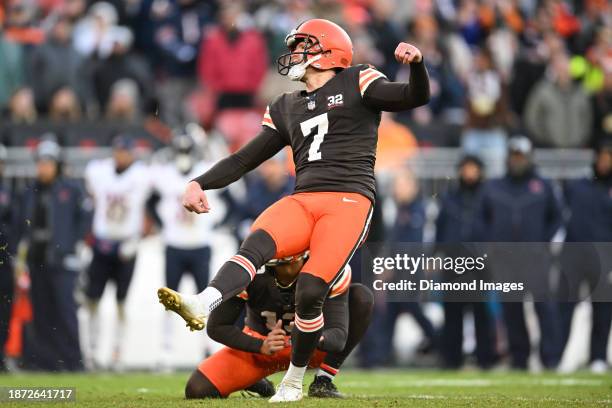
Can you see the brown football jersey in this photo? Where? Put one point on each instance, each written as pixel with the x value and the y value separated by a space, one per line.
pixel 267 302
pixel 333 134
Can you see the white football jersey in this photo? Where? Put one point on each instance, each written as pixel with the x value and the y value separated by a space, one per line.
pixel 181 228
pixel 119 199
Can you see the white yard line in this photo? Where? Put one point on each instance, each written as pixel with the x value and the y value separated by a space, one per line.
pixel 477 382
pixel 475 398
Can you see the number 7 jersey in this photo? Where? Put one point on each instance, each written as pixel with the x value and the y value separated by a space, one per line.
pixel 333 134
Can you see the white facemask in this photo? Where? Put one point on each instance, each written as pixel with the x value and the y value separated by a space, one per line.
pixel 298 71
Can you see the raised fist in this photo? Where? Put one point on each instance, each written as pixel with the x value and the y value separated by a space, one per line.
pixel 407 53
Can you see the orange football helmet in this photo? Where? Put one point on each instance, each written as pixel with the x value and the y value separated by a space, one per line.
pixel 326 46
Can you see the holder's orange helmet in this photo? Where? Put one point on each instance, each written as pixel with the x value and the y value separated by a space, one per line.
pixel 321 37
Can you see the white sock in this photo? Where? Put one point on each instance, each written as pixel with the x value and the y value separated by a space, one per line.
pixel 167 333
pixel 210 298
pixel 94 331
pixel 120 329
pixel 295 375
pixel 323 373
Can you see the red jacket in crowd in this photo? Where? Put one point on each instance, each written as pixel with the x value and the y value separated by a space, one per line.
pixel 235 65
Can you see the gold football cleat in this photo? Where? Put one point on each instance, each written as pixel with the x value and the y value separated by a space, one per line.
pixel 174 301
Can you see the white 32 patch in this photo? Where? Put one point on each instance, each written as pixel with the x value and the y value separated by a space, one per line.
pixel 334 101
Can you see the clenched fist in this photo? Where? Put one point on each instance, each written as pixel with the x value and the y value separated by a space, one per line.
pixel 194 199
pixel 407 53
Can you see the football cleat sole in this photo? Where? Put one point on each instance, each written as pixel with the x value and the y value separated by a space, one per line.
pixel 172 301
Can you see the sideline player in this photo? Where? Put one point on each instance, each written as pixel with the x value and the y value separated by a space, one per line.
pixel 332 128
pixel 119 187
pixel 261 348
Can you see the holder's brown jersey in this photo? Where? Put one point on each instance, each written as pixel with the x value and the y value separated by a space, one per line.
pixel 333 134
pixel 266 302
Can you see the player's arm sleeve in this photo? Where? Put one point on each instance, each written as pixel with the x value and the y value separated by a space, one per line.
pixel 265 145
pixel 555 213
pixel 88 178
pixel 220 327
pixel 568 191
pixel 83 212
pixel 336 317
pixel 151 207
pixel 441 221
pixel 384 95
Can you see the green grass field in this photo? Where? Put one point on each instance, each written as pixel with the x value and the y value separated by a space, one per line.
pixel 367 389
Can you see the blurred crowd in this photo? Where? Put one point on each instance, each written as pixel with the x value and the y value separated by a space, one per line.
pixel 541 68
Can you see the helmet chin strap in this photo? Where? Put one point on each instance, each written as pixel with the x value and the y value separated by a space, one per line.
pixel 298 71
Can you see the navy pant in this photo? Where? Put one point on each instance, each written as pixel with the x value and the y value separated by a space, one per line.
pixel 452 334
pixel 195 261
pixel 105 267
pixel 518 337
pixel 582 263
pixel 600 330
pixel 53 337
pixel 377 345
